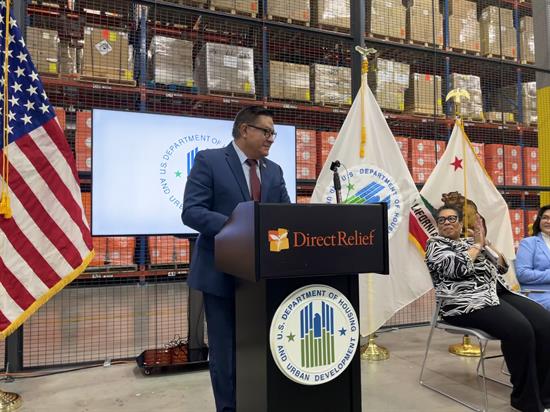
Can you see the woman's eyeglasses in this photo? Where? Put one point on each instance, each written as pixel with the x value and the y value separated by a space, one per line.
pixel 451 219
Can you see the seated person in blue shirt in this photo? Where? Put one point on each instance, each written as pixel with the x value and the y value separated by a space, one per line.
pixel 533 259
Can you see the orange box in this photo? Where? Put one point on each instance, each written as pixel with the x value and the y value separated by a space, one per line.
pixel 403 143
pixel 168 250
pixel 422 153
pixel 531 216
pixel 518 225
pixel 494 162
pixel 420 174
pixel 303 199
pixel 120 251
pixel 87 205
pixel 306 154
pixel 531 162
pixel 512 165
pixel 100 247
pixel 61 117
pixel 83 141
pixel 439 149
pixel 325 141
pixel 479 149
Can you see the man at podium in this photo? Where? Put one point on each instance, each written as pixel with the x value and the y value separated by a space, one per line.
pixel 218 181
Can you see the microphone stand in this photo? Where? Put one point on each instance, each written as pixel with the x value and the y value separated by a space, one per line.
pixel 336 180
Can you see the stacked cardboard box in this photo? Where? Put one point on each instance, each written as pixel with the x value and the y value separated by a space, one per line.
pixel 494 162
pixel 325 141
pixel 295 10
pixel 473 108
pixel 61 117
pixel 242 6
pixel 424 95
pixel 497 29
pixel 225 68
pixel 83 141
pixel 331 13
pixel 513 164
pixel 303 199
pixel 500 116
pixel 509 101
pixel 107 54
pixel 403 143
pixel 479 150
pixel 463 26
pixel 530 216
pixel 289 81
pixel 423 159
pixel 306 154
pixel 518 225
pixel 171 61
pixel 387 18
pixel 388 81
pixel 422 26
pixel 439 149
pixel 43 45
pixel 331 84
pixel 168 250
pixel 69 57
pixel 531 162
pixel 527 39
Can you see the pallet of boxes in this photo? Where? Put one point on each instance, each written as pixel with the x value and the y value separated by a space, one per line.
pixel 509 101
pixel 469 109
pixel 498 35
pixel 527 40
pixel 107 57
pixel 424 96
pixel 388 81
pixel 227 70
pixel 43 45
pixel 425 23
pixel 289 81
pixel 464 30
pixel 331 14
pixel 331 85
pixel 289 11
pixel 246 7
pixel 170 62
pixel 387 19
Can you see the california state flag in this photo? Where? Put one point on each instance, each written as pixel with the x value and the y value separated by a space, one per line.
pixel 459 175
pixel 380 176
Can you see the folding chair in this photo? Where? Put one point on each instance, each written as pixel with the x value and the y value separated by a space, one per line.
pixel 483 339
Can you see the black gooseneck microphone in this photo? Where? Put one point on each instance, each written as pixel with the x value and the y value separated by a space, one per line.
pixel 336 179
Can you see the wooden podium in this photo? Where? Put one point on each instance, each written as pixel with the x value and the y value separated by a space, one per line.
pixel 326 245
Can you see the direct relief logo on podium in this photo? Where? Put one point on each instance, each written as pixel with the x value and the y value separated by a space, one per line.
pixel 278 240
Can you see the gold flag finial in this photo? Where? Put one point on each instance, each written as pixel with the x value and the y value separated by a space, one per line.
pixel 365 54
pixel 457 94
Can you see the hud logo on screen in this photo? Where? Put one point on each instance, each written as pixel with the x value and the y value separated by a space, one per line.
pixel 176 163
pixel 278 240
pixel 370 184
pixel 314 335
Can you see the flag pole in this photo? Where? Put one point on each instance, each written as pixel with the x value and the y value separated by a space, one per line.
pixel 9 401
pixel 466 348
pixel 370 351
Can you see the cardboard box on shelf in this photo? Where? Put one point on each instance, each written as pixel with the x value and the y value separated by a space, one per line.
pixel 331 13
pixel 242 6
pixel 325 141
pixel 424 95
pixel 331 84
pixel 513 165
pixel 388 81
pixel 83 141
pixel 168 250
pixel 69 56
pixel 303 199
pixel 171 61
pixel 43 45
pixel 295 10
pixel 106 54
pixel 531 164
pixel 225 68
pixel 403 143
pixel 464 34
pixel 506 99
pixel 387 18
pixel 422 25
pixel 494 162
pixel 498 34
pixel 423 158
pixel 479 150
pixel 473 108
pixel 463 8
pixel 306 154
pixel 498 116
pixel 527 39
pixel 61 117
pixel 518 225
pixel 289 81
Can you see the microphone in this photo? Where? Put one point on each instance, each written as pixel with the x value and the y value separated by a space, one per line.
pixel 336 180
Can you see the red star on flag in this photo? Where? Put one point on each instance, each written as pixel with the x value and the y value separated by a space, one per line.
pixel 457 163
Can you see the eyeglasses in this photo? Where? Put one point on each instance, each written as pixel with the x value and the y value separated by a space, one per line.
pixel 451 219
pixel 267 132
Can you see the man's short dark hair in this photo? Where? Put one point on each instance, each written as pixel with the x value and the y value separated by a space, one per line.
pixel 449 207
pixel 248 115
pixel 536 225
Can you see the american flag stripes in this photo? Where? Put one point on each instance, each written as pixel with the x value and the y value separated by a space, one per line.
pixel 47 242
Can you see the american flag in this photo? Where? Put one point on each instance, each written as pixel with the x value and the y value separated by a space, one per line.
pixel 47 242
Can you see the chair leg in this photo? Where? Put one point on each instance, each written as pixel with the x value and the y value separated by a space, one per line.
pixel 483 346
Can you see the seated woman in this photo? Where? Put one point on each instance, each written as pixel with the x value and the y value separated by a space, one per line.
pixel 533 259
pixel 478 297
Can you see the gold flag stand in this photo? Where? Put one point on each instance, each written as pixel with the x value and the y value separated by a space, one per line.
pixel 466 348
pixel 9 401
pixel 371 351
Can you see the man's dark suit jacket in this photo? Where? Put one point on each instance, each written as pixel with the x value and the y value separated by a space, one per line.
pixel 216 184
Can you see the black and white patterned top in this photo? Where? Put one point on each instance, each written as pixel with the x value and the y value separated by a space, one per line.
pixel 468 285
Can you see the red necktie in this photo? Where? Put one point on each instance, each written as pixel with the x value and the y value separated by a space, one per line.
pixel 255 188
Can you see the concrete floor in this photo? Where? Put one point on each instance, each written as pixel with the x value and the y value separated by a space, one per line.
pixel 390 385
